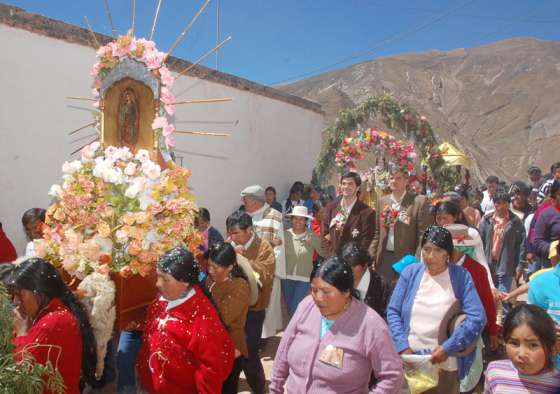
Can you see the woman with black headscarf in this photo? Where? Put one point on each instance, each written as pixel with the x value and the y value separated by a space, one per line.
pixel 422 304
pixel 186 348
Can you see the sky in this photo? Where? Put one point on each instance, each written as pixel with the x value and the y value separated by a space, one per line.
pixel 282 41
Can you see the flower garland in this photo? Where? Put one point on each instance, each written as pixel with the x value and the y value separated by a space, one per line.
pixel 118 212
pixel 143 51
pixel 389 216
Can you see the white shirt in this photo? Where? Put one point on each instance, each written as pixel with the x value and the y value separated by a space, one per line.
pixel 30 250
pixel 363 286
pixel 487 203
pixel 395 204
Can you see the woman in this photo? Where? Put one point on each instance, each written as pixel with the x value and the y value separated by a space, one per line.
pixel 51 325
pixel 230 291
pixel 296 191
pixel 334 342
pixel 519 193
pixel 185 348
pixel 299 245
pixel 420 302
pixel 472 215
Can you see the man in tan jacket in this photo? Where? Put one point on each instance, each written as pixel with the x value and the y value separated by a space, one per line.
pixel 261 257
pixel 402 217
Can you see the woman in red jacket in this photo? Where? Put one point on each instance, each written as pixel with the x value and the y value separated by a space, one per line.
pixel 186 348
pixel 51 325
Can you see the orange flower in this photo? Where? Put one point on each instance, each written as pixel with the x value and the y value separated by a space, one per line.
pixel 104 230
pixel 59 215
pixel 105 259
pixel 134 248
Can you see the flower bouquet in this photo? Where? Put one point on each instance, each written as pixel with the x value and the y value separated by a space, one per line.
pixel 389 216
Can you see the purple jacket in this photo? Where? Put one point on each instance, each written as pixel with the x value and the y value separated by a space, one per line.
pixel 359 332
pixel 547 229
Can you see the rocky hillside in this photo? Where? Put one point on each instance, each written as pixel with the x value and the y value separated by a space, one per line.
pixel 500 103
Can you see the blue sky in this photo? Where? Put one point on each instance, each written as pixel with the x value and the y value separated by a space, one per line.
pixel 280 41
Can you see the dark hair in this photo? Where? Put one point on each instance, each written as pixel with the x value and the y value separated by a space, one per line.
pixel 241 219
pixel 204 214
pixel 492 179
pixel 449 208
pixel 534 170
pixel 300 185
pixel 439 236
pixel 554 167
pixel 463 192
pixel 352 175
pixel 32 215
pixel 554 188
pixel 538 320
pixel 270 189
pixel 502 195
pixel 338 273
pixel 316 209
pixel 295 189
pixel 224 255
pixel 354 255
pixel 519 187
pixel 45 281
pixel 452 196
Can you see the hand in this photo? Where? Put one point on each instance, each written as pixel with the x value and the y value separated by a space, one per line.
pixel 132 326
pixel 502 296
pixel 239 249
pixel 493 342
pixel 439 355
pixel 276 242
pixel 21 322
pixel 328 237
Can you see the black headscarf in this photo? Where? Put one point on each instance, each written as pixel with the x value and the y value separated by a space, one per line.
pixel 439 236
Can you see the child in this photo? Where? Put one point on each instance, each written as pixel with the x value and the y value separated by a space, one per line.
pixel 530 338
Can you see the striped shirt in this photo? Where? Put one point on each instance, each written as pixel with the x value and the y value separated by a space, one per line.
pixel 503 378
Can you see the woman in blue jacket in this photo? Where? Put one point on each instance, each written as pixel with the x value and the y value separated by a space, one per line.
pixel 419 306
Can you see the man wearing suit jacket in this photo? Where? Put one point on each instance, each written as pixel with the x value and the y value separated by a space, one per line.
pixel 400 235
pixel 348 219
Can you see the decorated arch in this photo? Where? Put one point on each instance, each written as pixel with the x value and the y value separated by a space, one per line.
pixel 344 144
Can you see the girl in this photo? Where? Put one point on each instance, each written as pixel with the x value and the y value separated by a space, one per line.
pixel 530 338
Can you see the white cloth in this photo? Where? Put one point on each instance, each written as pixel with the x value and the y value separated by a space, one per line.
pixel 487 203
pixel 433 299
pixel 395 204
pixel 364 284
pixel 30 250
pixel 480 257
pixel 178 301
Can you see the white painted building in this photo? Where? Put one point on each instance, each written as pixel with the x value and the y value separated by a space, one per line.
pixel 275 138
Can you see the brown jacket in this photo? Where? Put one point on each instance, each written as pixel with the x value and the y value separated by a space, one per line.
pixel 232 299
pixel 407 236
pixel 261 257
pixel 359 227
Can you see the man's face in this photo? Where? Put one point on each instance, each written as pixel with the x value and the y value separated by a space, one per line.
pixel 34 230
pixel 239 236
pixel 501 207
pixel 398 181
pixel 535 177
pixel 492 187
pixel 270 196
pixel 314 195
pixel 557 174
pixel 251 204
pixel 348 187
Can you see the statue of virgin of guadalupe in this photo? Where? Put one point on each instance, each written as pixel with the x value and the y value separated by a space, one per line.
pixel 128 118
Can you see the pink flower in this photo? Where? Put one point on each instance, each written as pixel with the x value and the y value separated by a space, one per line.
pixel 170 140
pixel 95 69
pixel 166 76
pixel 96 104
pixel 166 96
pixel 170 109
pixel 130 169
pixel 168 129
pixel 159 123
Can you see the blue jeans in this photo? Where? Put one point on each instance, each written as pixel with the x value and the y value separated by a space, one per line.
pixel 129 346
pixel 503 283
pixel 294 292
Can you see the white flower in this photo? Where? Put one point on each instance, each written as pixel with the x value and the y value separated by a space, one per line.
pixel 70 167
pixel 110 153
pixel 123 154
pixel 136 187
pixel 55 191
pixel 88 152
pixel 355 233
pixel 105 170
pixel 122 236
pixel 151 169
pixel 130 169
pixel 142 155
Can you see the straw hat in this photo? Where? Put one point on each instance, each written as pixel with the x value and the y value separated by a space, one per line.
pixel 251 275
pixel 450 322
pixel 301 211
pixel 460 235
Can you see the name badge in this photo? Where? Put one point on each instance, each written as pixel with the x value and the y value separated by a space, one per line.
pixel 333 356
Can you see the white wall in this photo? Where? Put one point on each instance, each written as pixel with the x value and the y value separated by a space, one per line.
pixel 272 142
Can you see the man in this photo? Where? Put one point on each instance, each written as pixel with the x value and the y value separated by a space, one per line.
pixel 261 257
pixel 545 188
pixel 267 224
pixel 487 203
pixel 210 234
pixel 270 196
pixel 33 221
pixel 402 218
pixel 348 219
pixel 503 236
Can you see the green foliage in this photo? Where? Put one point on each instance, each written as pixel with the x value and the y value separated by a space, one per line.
pixel 395 116
pixel 25 376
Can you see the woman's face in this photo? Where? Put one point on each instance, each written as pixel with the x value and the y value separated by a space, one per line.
pixel 169 287
pixel 525 350
pixel 299 224
pixel 27 303
pixel 519 202
pixel 330 301
pixel 217 272
pixel 444 219
pixel 434 257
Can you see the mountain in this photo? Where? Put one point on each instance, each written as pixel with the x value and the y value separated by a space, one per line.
pixel 499 103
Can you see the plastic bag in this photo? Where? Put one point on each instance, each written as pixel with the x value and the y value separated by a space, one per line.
pixel 421 375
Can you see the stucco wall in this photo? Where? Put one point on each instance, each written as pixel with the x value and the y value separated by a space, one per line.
pixel 272 142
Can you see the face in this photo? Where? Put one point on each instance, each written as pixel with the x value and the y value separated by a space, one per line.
pixel 398 181
pixel 169 287
pixel 535 177
pixel 299 224
pixel 251 204
pixel 502 207
pixel 444 219
pixel 434 257
pixel 239 236
pixel 348 187
pixel 330 301
pixel 217 272
pixel 314 195
pixel 27 302
pixel 526 351
pixel 270 196
pixel 518 201
pixel 33 230
pixel 201 224
pixel 295 196
pixel 557 174
pixel 492 187
pixel 463 202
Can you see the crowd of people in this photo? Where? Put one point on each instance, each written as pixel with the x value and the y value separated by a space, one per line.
pixel 414 292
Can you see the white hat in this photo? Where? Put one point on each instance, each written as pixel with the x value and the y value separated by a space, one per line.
pixel 255 191
pixel 301 211
pixel 460 235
